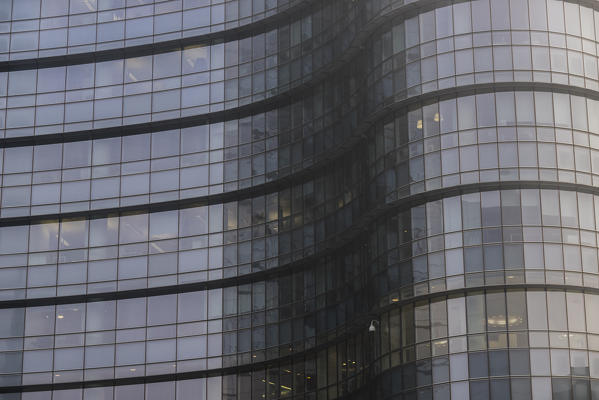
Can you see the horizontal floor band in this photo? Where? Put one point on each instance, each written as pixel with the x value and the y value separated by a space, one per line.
pixel 331 245
pixel 358 324
pixel 296 93
pixel 306 173
pixel 257 107
pixel 293 13
pixel 280 100
pixel 278 184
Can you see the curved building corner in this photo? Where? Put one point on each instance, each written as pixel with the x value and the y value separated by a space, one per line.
pixel 299 199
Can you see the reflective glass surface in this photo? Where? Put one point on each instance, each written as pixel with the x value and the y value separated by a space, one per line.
pixel 34 28
pixel 285 199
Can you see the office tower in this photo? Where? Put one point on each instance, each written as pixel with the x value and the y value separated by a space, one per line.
pixel 299 199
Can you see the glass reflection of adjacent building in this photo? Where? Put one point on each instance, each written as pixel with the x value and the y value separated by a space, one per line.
pixel 215 199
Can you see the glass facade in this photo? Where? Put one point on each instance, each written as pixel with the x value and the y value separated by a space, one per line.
pixel 213 199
